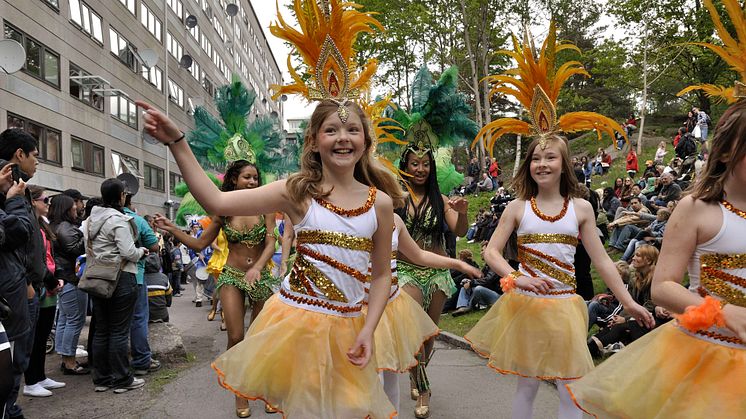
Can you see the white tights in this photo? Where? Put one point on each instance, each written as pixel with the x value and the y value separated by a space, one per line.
pixel 390 381
pixel 523 402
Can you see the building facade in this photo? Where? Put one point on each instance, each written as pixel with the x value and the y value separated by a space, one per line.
pixel 87 61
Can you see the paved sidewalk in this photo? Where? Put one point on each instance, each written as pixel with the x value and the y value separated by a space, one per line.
pixel 463 386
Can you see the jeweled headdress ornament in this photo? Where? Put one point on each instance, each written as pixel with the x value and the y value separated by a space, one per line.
pixel 732 52
pixel 325 41
pixel 536 84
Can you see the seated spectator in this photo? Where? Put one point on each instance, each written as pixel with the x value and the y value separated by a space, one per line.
pixel 479 292
pixel 626 192
pixel 627 215
pixel 485 184
pixel 618 185
pixel 458 276
pixel 649 169
pixel 610 203
pixel 669 191
pixel 474 227
pixel 632 165
pixel 603 307
pixel 159 290
pixel 660 153
pixel 600 164
pixel 628 231
pixel 587 170
pixel 624 328
pixel 686 147
pixel 677 138
pixel 652 235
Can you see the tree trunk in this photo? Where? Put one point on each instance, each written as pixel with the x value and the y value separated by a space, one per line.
pixel 474 80
pixel 517 155
pixel 644 106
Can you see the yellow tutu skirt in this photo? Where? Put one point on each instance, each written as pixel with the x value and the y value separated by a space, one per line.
pixel 667 373
pixel 403 329
pixel 295 360
pixel 534 337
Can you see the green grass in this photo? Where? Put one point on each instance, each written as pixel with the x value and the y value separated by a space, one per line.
pixel 460 325
pixel 160 379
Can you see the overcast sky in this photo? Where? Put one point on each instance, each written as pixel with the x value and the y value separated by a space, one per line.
pixel 266 12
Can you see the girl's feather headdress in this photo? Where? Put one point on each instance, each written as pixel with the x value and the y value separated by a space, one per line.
pixel 733 52
pixel 325 41
pixel 536 84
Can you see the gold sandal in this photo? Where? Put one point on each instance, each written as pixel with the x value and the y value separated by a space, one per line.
pixel 422 409
pixel 243 412
pixel 269 409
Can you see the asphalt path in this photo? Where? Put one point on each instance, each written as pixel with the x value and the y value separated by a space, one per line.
pixel 463 386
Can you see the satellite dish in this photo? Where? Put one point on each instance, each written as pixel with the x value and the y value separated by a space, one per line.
pixel 131 184
pixel 190 21
pixel 149 57
pixel 274 114
pixel 231 9
pixel 12 56
pixel 264 101
pixel 185 61
pixel 284 98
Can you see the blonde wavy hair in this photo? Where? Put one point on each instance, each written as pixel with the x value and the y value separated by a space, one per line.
pixel 307 182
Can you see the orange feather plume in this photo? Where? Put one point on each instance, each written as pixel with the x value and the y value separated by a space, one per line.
pixel 536 83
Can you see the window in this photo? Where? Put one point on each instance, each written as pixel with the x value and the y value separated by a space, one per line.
pixel 206 45
pixel 195 32
pixel 154 76
pixel 122 49
pixel 83 91
pixel 177 7
pixel 154 178
pixel 175 93
pixel 49 139
pixel 87 20
pixel 129 4
pixel 206 8
pixel 123 109
pixel 87 156
pixel 174 47
pixel 208 86
pixel 122 163
pixel 41 62
pixel 54 4
pixel 174 179
pixel 152 23
pixel 195 70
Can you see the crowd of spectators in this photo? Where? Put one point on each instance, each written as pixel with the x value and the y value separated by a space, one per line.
pixel 46 240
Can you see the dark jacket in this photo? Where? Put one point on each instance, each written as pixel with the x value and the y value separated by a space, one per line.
pixel 16 229
pixel 489 280
pixel 159 289
pixel 35 255
pixel 67 247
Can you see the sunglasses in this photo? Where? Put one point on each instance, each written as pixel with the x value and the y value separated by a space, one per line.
pixel 44 199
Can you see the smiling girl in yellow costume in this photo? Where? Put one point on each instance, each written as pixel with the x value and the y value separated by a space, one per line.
pixel 537 329
pixel 309 352
pixel 694 367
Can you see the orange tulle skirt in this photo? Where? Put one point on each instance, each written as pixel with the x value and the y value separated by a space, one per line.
pixel 403 329
pixel 535 337
pixel 295 360
pixel 667 373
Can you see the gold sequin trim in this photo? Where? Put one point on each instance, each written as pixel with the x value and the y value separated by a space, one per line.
pixel 334 238
pixel 550 258
pixel 545 268
pixel 351 212
pixel 327 287
pixel 733 279
pixel 723 290
pixel 547 238
pixel 333 263
pixel 319 303
pixel 300 283
pixel 721 261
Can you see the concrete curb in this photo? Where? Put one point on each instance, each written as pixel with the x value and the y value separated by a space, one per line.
pixel 454 340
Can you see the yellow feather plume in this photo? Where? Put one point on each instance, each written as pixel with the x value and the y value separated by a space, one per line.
pixel 733 51
pixel 325 41
pixel 535 82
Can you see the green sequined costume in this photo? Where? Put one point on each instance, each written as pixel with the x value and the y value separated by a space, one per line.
pixel 260 290
pixel 428 280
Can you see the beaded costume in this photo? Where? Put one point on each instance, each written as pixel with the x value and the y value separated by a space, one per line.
pixel 539 335
pixel 311 324
pixel 404 326
pixel 672 372
pixel 528 334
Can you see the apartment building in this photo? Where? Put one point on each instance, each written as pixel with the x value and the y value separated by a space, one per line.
pixel 87 61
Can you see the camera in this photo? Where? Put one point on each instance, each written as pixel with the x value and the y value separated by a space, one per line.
pixel 15 173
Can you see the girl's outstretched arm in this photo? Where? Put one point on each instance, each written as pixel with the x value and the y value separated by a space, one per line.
pixel 195 243
pixel 408 247
pixel 380 277
pixel 604 265
pixel 262 200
